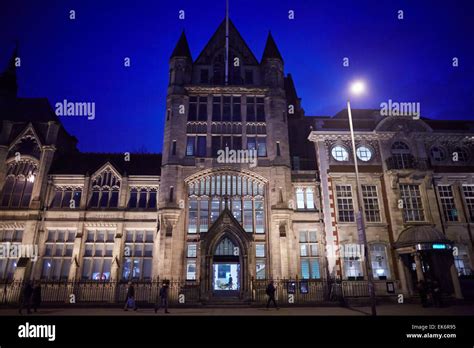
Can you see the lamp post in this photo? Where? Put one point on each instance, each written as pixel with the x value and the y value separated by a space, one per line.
pixel 357 88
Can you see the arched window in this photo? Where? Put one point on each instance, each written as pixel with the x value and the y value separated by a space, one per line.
pixel 105 190
pixel 16 192
pixel 402 159
pixel 225 248
pixel 241 194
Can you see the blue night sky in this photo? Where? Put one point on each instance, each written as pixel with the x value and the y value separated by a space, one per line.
pixel 406 60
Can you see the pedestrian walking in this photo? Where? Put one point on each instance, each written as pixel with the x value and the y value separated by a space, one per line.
pixel 130 301
pixel 423 291
pixel 25 300
pixel 164 291
pixel 36 296
pixel 271 295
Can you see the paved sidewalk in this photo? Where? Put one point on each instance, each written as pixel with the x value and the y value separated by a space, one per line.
pixel 384 310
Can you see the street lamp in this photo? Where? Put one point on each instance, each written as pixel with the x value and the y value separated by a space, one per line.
pixel 358 88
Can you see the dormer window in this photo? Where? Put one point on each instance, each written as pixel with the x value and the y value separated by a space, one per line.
pixel 105 190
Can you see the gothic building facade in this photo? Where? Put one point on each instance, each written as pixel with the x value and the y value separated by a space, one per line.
pixel 239 193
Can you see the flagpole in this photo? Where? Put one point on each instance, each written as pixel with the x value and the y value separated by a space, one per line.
pixel 227 42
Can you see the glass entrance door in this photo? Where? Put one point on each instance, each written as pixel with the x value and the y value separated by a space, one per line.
pixel 226 277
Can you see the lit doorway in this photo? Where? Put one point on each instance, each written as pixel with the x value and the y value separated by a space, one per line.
pixel 226 269
pixel 226 277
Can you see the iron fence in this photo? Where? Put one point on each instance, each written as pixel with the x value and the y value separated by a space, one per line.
pixel 93 292
pixel 293 291
pixel 311 291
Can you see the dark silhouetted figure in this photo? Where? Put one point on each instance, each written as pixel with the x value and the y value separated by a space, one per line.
pixel 130 301
pixel 230 284
pixel 26 295
pixel 36 297
pixel 423 291
pixel 436 294
pixel 164 291
pixel 271 295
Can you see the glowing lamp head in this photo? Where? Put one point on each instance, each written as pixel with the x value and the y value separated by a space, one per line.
pixel 357 88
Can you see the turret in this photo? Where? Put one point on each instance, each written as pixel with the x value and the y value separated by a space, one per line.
pixel 180 65
pixel 272 64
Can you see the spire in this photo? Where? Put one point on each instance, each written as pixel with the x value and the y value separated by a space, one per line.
pixel 182 47
pixel 8 80
pixel 271 49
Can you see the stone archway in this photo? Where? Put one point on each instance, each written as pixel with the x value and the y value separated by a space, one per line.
pixel 226 227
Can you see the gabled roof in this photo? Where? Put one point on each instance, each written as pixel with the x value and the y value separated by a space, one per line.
pixel 271 49
pixel 88 163
pixel 236 42
pixel 182 48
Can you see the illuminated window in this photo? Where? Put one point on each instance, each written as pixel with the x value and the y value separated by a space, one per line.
pixel 8 265
pixel 20 178
pixel 462 260
pixel 378 257
pixel 244 197
pixel 309 255
pixel 138 255
pixel 339 153
pixel 57 256
pixel 364 153
pixel 305 198
pixel 98 249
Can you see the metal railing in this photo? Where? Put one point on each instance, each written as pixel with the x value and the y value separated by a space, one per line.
pixel 302 291
pixel 93 292
pixel 310 291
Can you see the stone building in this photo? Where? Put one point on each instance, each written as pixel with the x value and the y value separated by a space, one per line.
pixel 240 193
pixel 417 183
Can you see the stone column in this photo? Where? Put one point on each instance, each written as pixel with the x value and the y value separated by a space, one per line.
pixel 76 253
pixel 24 268
pixel 117 261
pixel 402 275
pixel 419 269
pixel 46 159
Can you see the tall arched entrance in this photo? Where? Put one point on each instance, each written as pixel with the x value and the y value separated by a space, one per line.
pixel 225 261
pixel 226 268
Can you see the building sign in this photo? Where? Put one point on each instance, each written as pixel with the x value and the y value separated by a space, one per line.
pixel 304 287
pixel 291 287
